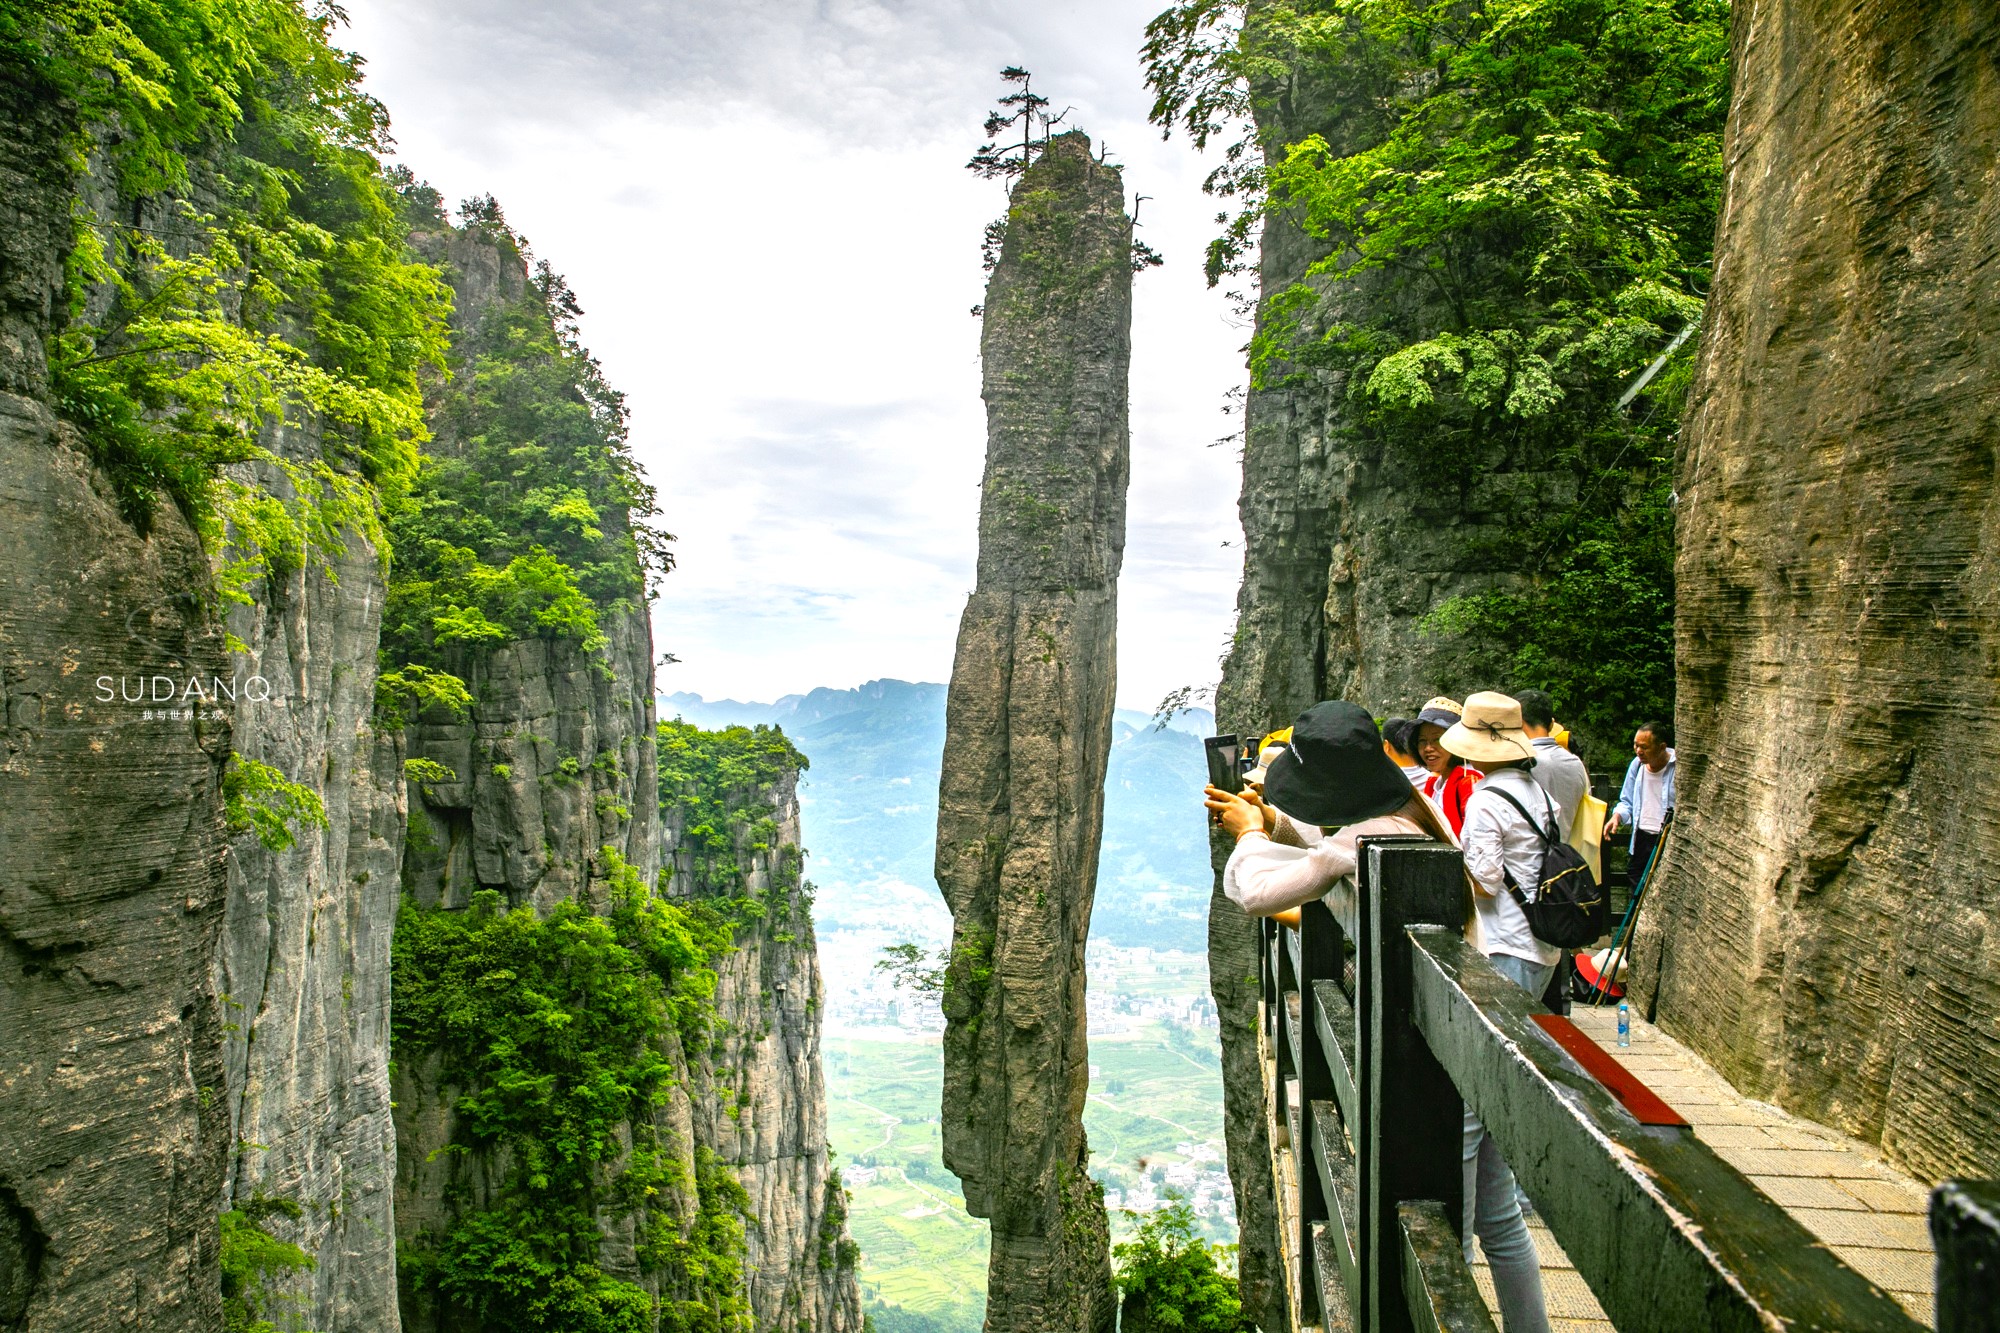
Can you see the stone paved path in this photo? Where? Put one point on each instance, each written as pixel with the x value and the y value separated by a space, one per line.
pixel 1870 1214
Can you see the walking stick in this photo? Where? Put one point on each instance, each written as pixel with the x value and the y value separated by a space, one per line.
pixel 1607 976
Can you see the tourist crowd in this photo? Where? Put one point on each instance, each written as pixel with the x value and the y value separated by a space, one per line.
pixel 1495 777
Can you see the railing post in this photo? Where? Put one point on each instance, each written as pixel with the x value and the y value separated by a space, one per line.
pixel 1410 1143
pixel 1319 959
pixel 1965 1228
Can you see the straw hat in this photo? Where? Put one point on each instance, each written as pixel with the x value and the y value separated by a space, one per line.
pixel 1489 731
pixel 1440 712
pixel 1333 771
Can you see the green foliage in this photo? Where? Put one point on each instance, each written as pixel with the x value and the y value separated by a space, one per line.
pixel 1171 1279
pixel 1201 63
pixel 259 276
pixel 257 798
pixel 466 601
pixel 704 1291
pixel 556 1031
pixel 1596 633
pixel 428 772
pixel 836 1248
pixel 414 689
pixel 914 968
pixel 968 971
pixel 718 783
pixel 251 1257
pixel 1518 202
pixel 533 522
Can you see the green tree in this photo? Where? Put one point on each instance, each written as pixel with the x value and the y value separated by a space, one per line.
pixel 250 268
pixel 1169 1279
pixel 251 1259
pixel 915 968
pixel 1024 107
pixel 1517 202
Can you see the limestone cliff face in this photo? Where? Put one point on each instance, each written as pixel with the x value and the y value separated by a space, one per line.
pixel 303 967
pixel 240 1035
pixel 1028 733
pixel 758 1093
pixel 555 757
pixel 1825 929
pixel 112 880
pixel 554 762
pixel 1348 545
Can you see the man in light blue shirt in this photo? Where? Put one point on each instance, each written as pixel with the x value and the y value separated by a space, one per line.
pixel 1647 798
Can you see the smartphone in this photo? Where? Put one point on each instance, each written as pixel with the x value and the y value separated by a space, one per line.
pixel 1225 767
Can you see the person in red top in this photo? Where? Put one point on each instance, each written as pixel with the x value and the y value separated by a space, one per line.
pixel 1452 779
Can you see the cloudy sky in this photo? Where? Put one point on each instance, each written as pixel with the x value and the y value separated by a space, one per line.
pixel 764 210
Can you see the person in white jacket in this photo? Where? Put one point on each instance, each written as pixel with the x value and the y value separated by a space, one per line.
pixel 1502 845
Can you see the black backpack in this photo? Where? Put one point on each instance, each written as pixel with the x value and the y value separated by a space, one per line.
pixel 1569 910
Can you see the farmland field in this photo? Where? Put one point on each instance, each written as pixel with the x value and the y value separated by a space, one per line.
pixel 1154 1120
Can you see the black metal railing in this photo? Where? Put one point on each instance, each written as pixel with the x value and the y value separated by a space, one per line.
pixel 1381 1026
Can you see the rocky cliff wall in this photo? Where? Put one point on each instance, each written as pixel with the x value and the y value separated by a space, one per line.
pixel 551 763
pixel 112 881
pixel 1350 541
pixel 1825 928
pixel 303 966
pixel 758 1092
pixel 1028 734
pixel 1320 577
pixel 554 760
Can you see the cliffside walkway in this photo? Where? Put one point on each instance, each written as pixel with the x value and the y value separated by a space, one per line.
pixel 1870 1214
pixel 1663 1199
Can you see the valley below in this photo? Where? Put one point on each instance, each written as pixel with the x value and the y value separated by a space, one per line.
pixel 1154 1116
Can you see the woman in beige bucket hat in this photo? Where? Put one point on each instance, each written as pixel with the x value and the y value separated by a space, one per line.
pixel 1489 731
pixel 1498 842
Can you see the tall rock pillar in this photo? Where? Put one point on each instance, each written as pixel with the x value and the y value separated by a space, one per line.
pixel 1826 929
pixel 1028 733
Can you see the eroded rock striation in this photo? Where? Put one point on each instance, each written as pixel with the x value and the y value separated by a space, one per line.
pixel 302 970
pixel 1028 732
pixel 112 879
pixel 1825 930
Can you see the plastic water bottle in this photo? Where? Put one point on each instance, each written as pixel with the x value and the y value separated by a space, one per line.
pixel 1624 1024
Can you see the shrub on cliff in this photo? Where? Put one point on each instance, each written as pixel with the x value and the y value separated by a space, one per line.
pixel 717 785
pixel 250 267
pixel 1169 1280
pixel 557 1032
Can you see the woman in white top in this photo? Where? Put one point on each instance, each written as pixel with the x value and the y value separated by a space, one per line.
pixel 1332 774
pixel 1501 844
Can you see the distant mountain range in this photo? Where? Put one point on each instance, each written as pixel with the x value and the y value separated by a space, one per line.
pixel 870 806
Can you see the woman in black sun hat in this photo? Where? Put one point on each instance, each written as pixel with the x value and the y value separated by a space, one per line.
pixel 1333 774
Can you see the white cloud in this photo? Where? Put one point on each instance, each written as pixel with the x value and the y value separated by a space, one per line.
pixel 764 210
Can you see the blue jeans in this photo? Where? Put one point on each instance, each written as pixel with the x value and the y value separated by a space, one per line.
pixel 1492 1208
